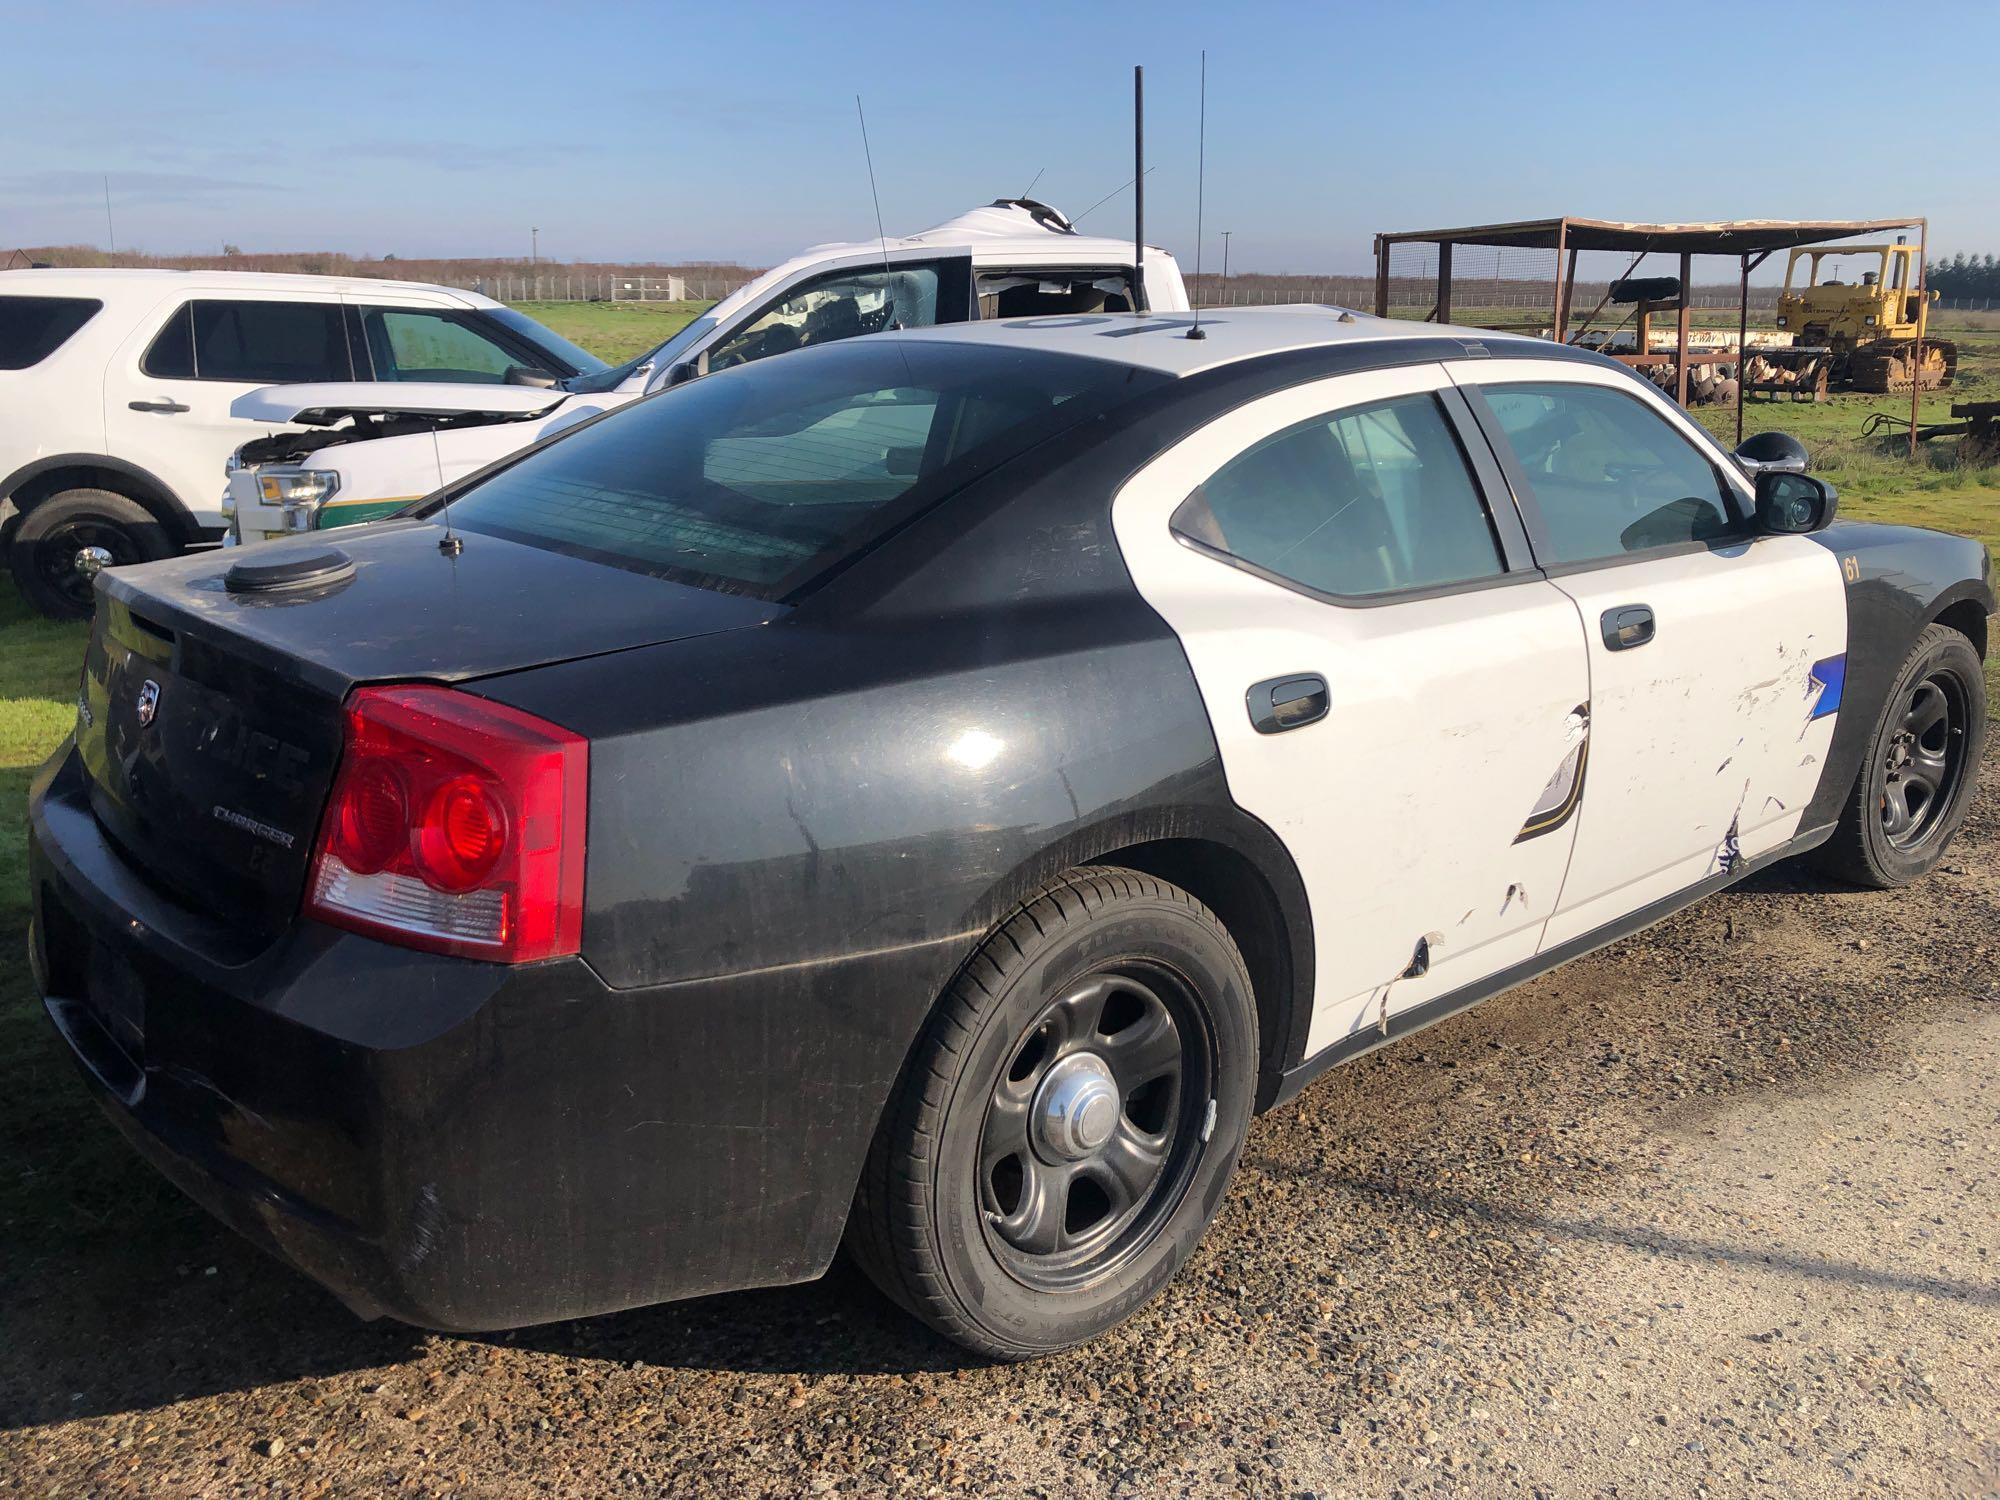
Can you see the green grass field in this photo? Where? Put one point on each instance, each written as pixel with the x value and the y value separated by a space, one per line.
pixel 64 1170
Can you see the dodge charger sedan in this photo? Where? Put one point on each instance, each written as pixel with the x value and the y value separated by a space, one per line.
pixel 927 793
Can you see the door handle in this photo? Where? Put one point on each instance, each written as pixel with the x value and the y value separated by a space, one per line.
pixel 1627 626
pixel 161 406
pixel 1281 703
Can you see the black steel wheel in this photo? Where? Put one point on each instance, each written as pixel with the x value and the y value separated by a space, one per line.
pixel 1093 1124
pixel 1067 1123
pixel 1917 775
pixel 49 548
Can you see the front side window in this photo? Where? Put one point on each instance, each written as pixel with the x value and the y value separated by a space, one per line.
pixel 1372 500
pixel 418 344
pixel 755 480
pixel 1609 475
pixel 257 343
pixel 33 328
pixel 842 306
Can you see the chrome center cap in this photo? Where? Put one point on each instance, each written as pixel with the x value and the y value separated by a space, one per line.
pixel 1076 1108
pixel 90 561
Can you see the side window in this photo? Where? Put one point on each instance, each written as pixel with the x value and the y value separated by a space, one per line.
pixel 33 328
pixel 1609 475
pixel 1031 294
pixel 261 343
pixel 415 344
pixel 841 306
pixel 1371 500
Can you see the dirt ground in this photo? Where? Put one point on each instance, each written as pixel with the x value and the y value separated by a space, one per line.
pixel 1714 1211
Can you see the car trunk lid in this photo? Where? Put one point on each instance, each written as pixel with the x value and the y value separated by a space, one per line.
pixel 210 718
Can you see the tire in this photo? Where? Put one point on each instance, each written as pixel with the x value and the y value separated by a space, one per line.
pixel 953 1231
pixel 1889 834
pixel 42 553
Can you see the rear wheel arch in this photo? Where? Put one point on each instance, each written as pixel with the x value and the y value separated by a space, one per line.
pixel 30 486
pixel 1235 867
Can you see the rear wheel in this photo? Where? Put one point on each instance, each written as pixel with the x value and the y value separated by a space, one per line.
pixel 1917 777
pixel 1068 1122
pixel 54 538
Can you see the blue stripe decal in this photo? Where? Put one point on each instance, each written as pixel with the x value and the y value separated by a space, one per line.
pixel 1831 677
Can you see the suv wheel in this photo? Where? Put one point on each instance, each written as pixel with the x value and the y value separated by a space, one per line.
pixel 53 535
pixel 1068 1122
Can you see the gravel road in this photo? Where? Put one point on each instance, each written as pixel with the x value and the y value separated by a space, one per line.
pixel 1713 1211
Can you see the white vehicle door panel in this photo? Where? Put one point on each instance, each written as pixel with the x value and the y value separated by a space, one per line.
pixel 1405 808
pixel 1706 741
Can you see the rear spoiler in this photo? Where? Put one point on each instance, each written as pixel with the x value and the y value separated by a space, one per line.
pixel 324 405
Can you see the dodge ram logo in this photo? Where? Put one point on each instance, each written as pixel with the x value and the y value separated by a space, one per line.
pixel 149 701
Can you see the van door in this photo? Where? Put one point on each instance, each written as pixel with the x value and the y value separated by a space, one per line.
pixel 168 389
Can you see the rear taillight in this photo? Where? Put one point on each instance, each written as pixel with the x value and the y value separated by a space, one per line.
pixel 455 825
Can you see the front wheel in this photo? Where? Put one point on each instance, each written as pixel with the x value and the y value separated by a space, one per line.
pixel 1068 1121
pixel 52 540
pixel 1917 777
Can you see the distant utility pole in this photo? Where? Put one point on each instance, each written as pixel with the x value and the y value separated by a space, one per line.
pixel 110 239
pixel 534 247
pixel 1225 255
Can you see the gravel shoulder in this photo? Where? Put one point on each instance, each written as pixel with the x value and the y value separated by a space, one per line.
pixel 1716 1209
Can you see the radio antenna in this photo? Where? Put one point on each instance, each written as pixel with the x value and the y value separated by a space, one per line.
pixel 1139 172
pixel 881 235
pixel 451 543
pixel 1029 190
pixel 1200 186
pixel 1079 218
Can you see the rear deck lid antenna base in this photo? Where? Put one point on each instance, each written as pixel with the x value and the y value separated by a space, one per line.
pixel 451 543
pixel 1200 185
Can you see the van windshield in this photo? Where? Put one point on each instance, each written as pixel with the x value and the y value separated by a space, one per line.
pixel 666 354
pixel 757 479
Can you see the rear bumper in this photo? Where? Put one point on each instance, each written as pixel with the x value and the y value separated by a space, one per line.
pixel 458 1145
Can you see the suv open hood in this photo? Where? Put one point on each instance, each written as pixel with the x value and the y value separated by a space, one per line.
pixel 325 404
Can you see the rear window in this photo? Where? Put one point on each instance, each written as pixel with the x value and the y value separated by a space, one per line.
pixel 33 328
pixel 757 479
pixel 261 343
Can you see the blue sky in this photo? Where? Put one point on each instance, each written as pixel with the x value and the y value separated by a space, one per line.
pixel 727 131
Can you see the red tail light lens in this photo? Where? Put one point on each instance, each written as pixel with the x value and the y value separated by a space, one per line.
pixel 455 825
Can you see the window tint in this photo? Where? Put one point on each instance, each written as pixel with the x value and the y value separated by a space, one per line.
pixel 1608 474
pixel 33 328
pixel 839 307
pixel 754 480
pixel 263 343
pixel 1372 500
pixel 414 344
pixel 1032 294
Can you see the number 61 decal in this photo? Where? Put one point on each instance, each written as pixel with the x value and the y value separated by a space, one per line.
pixel 1850 568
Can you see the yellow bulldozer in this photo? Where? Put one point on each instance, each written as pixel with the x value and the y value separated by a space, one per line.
pixel 1867 332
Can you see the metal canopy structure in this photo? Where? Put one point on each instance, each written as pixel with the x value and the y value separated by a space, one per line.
pixel 1750 241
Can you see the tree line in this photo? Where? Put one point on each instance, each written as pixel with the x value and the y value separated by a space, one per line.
pixel 1965 276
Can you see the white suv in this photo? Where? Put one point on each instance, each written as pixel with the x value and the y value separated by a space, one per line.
pixel 116 386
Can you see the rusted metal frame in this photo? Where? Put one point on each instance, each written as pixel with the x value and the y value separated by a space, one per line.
pixel 1584 326
pixel 1442 312
pixel 1381 276
pixel 1560 312
pixel 1681 329
pixel 1749 264
pixel 1923 325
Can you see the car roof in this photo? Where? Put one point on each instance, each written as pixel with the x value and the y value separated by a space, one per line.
pixel 102 281
pixel 1229 335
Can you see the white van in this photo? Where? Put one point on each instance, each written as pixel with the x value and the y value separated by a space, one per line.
pixel 372 449
pixel 116 388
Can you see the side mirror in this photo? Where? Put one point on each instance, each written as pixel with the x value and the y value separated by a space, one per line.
pixel 1772 450
pixel 1793 504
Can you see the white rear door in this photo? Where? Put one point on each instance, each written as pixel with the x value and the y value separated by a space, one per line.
pixel 1394 691
pixel 1716 656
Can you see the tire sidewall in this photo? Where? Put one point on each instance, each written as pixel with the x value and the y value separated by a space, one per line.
pixel 1952 652
pixel 1154 931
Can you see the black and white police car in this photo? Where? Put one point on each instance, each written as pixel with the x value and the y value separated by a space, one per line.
pixel 932 789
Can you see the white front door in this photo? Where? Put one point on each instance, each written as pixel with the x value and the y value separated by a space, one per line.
pixel 168 389
pixel 1393 690
pixel 1716 655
